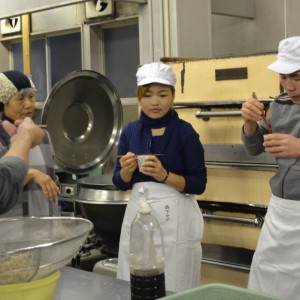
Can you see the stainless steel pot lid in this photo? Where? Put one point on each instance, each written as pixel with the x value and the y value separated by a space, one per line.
pixel 83 114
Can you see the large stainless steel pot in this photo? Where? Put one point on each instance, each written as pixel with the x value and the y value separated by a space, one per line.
pixel 84 116
pixel 104 206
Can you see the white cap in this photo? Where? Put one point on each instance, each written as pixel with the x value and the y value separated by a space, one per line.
pixel 155 73
pixel 288 57
pixel 144 208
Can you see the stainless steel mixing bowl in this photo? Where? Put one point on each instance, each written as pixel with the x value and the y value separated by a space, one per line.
pixel 34 247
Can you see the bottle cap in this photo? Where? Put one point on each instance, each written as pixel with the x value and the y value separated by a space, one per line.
pixel 144 208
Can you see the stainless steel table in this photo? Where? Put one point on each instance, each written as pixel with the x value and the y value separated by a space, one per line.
pixel 75 284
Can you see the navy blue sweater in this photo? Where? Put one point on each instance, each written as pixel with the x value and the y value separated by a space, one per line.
pixel 183 154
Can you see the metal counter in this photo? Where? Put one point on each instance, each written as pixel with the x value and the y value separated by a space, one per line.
pixel 75 284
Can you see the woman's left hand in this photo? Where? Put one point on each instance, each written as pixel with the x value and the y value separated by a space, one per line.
pixel 153 167
pixel 48 186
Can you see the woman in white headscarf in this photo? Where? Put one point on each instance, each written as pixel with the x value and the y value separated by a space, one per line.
pixel 17 101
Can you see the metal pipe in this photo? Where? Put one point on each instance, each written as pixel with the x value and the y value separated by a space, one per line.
pixel 218 263
pixel 256 222
pixel 166 10
pixel 208 114
pixel 245 166
pixel 217 104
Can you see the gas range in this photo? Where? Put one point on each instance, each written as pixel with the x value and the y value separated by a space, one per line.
pixel 91 252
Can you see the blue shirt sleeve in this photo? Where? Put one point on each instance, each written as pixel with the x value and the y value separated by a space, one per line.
pixel 194 172
pixel 123 148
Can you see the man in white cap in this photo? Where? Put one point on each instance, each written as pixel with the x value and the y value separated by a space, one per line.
pixel 275 266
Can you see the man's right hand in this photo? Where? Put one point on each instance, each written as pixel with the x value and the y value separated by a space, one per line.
pixel 27 129
pixel 252 111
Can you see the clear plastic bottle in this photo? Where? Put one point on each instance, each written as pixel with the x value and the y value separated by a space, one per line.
pixel 147 267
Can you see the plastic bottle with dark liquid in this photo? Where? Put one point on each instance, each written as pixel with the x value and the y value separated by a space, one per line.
pixel 147 272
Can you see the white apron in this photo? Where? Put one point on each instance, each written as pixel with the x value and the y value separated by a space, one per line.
pixel 36 203
pixel 181 222
pixel 275 268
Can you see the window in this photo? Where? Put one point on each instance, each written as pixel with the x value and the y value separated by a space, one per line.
pixel 53 57
pixel 63 57
pixel 121 57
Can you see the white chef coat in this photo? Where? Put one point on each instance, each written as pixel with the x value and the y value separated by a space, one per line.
pixel 181 222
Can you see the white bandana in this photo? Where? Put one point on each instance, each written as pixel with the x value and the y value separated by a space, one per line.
pixel 7 89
